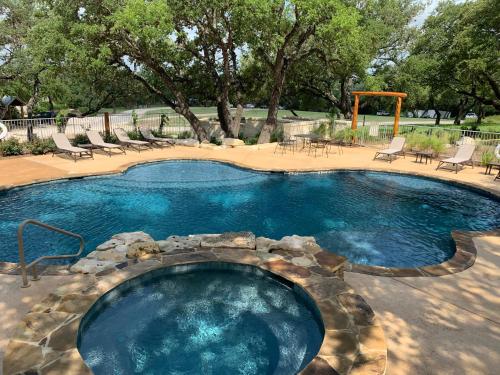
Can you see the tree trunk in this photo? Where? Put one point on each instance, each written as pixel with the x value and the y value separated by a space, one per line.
pixel 272 112
pixel 480 114
pixel 438 117
pixel 235 128
pixel 224 116
pixel 51 103
pixel 194 121
pixel 30 106
pixel 345 98
pixel 460 111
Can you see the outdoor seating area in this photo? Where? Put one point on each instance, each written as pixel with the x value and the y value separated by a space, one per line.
pixel 249 187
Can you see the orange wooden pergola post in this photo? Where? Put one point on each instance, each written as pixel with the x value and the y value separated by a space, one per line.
pixel 399 101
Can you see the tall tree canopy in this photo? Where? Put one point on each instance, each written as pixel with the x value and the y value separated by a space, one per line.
pixel 461 41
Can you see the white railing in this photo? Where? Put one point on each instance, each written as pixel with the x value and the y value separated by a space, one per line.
pixel 25 129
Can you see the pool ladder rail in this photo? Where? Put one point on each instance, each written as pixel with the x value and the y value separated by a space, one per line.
pixel 22 261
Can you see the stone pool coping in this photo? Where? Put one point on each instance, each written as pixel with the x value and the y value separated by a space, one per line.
pixel 45 341
pixel 463 258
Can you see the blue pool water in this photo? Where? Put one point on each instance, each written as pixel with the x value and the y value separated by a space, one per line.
pixel 370 217
pixel 213 319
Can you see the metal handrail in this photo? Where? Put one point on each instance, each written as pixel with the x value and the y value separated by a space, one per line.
pixel 22 262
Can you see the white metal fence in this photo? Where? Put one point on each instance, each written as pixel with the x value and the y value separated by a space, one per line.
pixel 23 129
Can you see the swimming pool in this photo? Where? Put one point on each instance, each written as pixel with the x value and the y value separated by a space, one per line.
pixel 215 318
pixel 370 217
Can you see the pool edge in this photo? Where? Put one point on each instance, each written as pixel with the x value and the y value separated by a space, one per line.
pixel 357 342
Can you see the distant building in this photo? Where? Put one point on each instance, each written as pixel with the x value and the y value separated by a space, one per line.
pixel 8 103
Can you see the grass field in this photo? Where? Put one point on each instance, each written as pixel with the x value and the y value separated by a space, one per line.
pixel 489 124
pixel 262 113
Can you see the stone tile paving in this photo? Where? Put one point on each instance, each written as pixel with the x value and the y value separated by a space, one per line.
pixel 354 342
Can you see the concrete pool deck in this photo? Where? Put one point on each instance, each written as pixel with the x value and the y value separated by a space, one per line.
pixel 434 325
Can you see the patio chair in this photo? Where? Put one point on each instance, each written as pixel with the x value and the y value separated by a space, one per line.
pixel 125 140
pixel 64 147
pixel 318 144
pixel 97 142
pixel 286 144
pixel 395 148
pixel 148 136
pixel 462 157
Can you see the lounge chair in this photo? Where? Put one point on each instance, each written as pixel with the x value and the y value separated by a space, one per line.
pixel 395 148
pixel 97 142
pixel 64 147
pixel 148 136
pixel 462 157
pixel 125 140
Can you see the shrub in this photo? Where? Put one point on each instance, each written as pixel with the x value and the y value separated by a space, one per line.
pixel 251 141
pixel 11 147
pixel 135 119
pixel 109 138
pixel 41 146
pixel 135 135
pixel 345 135
pixel 215 140
pixel 487 157
pixel 323 130
pixel 80 139
pixel 417 141
pixel 159 134
pixel 437 144
pixel 184 135
pixel 277 135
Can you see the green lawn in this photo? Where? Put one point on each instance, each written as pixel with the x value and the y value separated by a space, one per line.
pixel 262 113
pixel 490 124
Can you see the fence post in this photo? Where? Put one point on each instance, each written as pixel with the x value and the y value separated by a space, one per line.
pixel 106 124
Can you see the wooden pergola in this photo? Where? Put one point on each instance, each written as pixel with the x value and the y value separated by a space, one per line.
pixel 399 101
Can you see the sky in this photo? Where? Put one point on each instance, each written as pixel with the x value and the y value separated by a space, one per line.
pixel 419 20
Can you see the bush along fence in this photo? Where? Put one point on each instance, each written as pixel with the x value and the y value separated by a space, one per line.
pixel 442 141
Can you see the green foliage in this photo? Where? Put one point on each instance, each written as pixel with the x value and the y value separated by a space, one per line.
pixel 41 146
pixel 347 135
pixel 185 135
pixel 323 130
pixel 277 135
pixel 60 122
pixel 248 140
pixel 163 122
pixel 111 138
pixel 80 139
pixel 135 135
pixel 11 147
pixel 135 119
pixel 437 144
pixel 216 141
pixel 487 157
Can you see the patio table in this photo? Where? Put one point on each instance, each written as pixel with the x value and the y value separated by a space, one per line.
pixel 305 137
pixel 492 165
pixel 427 155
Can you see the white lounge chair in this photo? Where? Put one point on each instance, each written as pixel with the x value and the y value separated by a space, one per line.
pixel 97 142
pixel 395 148
pixel 462 157
pixel 148 136
pixel 125 140
pixel 64 147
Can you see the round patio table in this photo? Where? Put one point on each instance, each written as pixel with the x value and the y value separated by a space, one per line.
pixel 305 137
